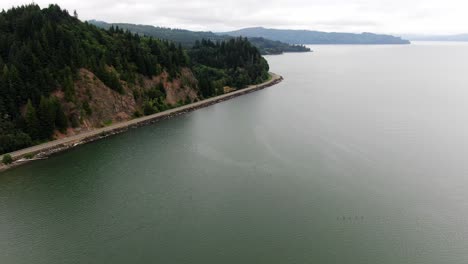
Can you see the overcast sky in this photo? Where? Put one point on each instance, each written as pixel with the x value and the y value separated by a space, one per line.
pixel 381 16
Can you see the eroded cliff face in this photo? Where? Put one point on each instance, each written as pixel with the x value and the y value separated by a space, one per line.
pixel 179 89
pixel 96 105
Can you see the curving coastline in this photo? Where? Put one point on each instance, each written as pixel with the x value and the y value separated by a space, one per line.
pixel 46 149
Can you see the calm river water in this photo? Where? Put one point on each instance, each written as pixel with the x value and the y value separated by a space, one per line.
pixel 359 156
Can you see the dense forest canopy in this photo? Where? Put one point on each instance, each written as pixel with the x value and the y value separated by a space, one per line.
pixel 41 51
pixel 233 63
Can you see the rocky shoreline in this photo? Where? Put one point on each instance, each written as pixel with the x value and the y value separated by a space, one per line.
pixel 47 149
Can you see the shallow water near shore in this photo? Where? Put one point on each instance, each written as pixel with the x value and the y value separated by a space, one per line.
pixel 358 156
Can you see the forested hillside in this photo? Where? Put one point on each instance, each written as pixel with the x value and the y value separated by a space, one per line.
pixel 188 38
pixel 59 73
pixel 234 63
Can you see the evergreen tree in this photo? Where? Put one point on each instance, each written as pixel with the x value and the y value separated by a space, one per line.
pixel 32 122
pixel 46 115
pixel 61 120
pixel 68 85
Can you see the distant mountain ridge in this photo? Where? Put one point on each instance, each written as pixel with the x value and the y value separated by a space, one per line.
pixel 188 38
pixel 316 37
pixel 185 37
pixel 458 37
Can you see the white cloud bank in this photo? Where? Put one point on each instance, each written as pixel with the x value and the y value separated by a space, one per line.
pixel 381 16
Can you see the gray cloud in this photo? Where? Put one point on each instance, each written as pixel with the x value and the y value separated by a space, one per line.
pixel 383 16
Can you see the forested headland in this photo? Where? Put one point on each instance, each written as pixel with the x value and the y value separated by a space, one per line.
pixel 59 75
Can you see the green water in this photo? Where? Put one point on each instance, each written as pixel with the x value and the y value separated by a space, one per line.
pixel 358 156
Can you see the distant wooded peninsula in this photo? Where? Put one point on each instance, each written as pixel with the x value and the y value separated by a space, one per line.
pixel 304 37
pixel 455 38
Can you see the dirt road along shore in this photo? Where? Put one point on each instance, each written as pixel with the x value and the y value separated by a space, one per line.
pixel 48 148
